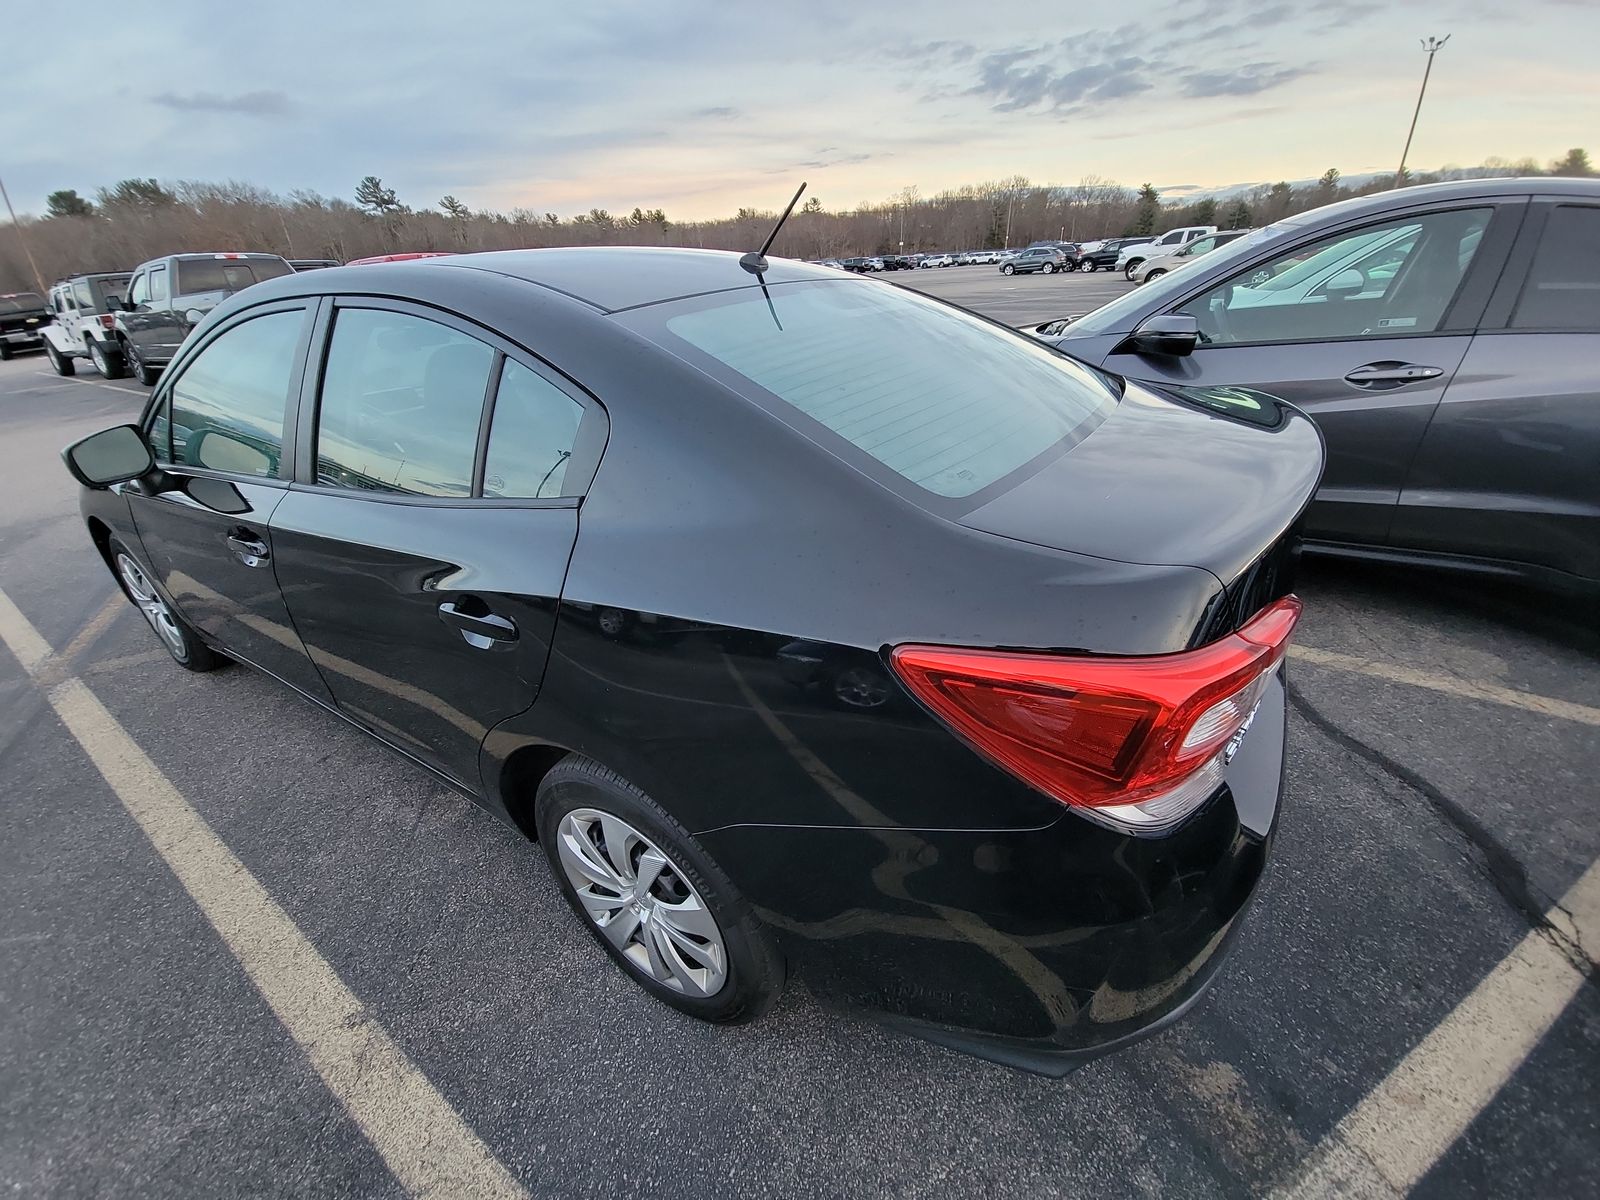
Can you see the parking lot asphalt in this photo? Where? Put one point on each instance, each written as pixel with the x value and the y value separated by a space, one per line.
pixel 1409 1009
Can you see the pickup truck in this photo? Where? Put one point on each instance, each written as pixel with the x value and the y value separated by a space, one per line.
pixel 167 297
pixel 22 316
pixel 1170 242
pixel 82 325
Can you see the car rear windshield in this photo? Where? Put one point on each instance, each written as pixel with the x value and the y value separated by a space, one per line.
pixel 92 293
pixel 942 399
pixel 226 274
pixel 18 302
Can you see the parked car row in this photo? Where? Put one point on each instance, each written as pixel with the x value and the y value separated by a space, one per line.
pixel 134 321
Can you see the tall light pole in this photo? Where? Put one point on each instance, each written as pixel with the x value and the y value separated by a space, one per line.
pixel 21 237
pixel 1431 46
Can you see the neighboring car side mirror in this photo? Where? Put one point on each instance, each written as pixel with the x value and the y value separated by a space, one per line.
pixel 1346 282
pixel 194 316
pixel 113 455
pixel 1168 333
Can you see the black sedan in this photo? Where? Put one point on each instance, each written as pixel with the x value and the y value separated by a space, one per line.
pixel 1443 336
pixel 955 687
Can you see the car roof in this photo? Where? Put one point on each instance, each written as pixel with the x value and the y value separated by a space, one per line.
pixel 612 278
pixel 93 275
pixel 1454 189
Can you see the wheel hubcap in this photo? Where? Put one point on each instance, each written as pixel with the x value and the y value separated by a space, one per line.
pixel 151 604
pixel 639 899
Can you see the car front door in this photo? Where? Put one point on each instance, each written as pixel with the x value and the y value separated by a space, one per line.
pixel 217 427
pixel 1363 329
pixel 136 316
pixel 422 550
pixel 1510 466
pixel 164 331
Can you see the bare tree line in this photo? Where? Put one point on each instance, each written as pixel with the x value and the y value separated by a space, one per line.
pixel 138 219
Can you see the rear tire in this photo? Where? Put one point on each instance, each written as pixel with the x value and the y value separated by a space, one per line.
pixel 1047 269
pixel 176 635
pixel 1133 266
pixel 108 362
pixel 579 802
pixel 1156 274
pixel 5 351
pixel 1088 266
pixel 59 362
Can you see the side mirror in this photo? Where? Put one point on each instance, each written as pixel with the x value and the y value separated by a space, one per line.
pixel 222 452
pixel 113 455
pixel 194 316
pixel 1345 282
pixel 113 303
pixel 1167 333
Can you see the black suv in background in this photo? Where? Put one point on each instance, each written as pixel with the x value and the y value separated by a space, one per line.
pixel 22 316
pixel 168 296
pixel 1104 257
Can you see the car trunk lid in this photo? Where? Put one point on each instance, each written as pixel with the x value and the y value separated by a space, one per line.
pixel 1214 478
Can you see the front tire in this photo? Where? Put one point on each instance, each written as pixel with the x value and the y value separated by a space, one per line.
pixel 1008 269
pixel 176 634
pixel 59 362
pixel 145 374
pixel 107 362
pixel 653 898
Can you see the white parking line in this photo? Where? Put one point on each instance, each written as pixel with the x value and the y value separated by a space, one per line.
pixel 1385 1145
pixel 1546 706
pixel 94 383
pixel 422 1139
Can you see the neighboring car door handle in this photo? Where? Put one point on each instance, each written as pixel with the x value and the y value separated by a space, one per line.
pixel 248 548
pixel 482 632
pixel 1391 374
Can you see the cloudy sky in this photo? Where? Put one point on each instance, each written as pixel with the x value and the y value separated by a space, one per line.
pixel 701 106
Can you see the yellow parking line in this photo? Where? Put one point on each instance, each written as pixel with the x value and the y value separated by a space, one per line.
pixel 421 1138
pixel 1385 1145
pixel 1468 689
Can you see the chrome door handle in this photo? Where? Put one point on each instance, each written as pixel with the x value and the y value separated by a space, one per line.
pixel 247 548
pixel 1393 374
pixel 487 631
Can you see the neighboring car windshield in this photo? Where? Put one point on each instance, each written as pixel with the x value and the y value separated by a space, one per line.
pixel 1117 316
pixel 21 302
pixel 109 285
pixel 226 274
pixel 939 397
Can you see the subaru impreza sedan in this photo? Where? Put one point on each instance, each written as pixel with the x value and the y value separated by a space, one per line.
pixel 955 688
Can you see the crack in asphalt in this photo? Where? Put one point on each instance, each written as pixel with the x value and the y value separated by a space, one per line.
pixel 1503 869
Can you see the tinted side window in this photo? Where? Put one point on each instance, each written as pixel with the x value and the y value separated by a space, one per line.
pixel 83 295
pixel 158 285
pixel 1387 280
pixel 531 439
pixel 401 401
pixel 1563 286
pixel 228 405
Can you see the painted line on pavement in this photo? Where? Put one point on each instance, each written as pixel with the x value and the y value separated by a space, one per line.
pixel 430 1150
pixel 1546 706
pixel 66 381
pixel 1386 1144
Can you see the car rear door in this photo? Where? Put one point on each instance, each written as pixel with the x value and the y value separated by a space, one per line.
pixel 423 546
pixel 221 426
pixel 1362 328
pixel 1510 465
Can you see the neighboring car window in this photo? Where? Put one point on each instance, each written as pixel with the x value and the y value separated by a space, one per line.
pixel 228 405
pixel 158 285
pixel 226 274
pixel 1388 280
pixel 939 397
pixel 139 290
pixel 1563 286
pixel 83 296
pixel 531 439
pixel 401 401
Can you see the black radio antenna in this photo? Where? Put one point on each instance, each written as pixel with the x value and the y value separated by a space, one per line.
pixel 756 261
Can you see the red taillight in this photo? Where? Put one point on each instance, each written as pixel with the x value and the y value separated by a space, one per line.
pixel 1102 731
pixel 107 321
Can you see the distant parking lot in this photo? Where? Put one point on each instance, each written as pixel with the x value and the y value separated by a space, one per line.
pixel 1412 1008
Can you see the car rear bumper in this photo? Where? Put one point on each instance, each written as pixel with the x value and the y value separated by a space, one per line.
pixel 1036 948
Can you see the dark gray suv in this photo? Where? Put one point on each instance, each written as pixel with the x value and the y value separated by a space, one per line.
pixel 168 296
pixel 1444 337
pixel 1045 259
